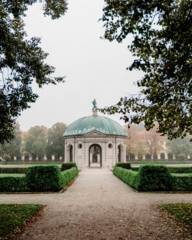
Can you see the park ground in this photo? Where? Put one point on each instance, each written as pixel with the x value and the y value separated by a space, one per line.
pixel 98 206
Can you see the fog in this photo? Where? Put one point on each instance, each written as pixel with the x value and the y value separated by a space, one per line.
pixel 94 68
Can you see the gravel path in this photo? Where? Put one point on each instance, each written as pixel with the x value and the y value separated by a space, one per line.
pixel 98 206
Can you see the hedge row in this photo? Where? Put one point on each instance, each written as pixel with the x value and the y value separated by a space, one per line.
pixel 13 184
pixel 171 169
pixel 38 179
pixel 68 176
pixel 128 176
pixel 43 179
pixel 66 166
pixel 154 178
pixel 124 165
pixel 180 169
pixel 13 169
pixel 182 182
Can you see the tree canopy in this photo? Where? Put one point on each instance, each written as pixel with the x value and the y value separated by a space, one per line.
pixel 22 61
pixel 55 143
pixel 36 143
pixel 161 42
pixel 181 148
pixel 12 149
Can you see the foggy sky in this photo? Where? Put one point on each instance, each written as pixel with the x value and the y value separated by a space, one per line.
pixel 94 68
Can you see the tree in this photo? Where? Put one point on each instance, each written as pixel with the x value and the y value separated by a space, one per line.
pixel 161 42
pixel 136 141
pixel 181 148
pixel 22 61
pixel 141 142
pixel 12 149
pixel 35 142
pixel 55 145
pixel 154 141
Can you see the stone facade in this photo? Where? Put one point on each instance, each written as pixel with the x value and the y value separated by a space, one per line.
pixel 95 149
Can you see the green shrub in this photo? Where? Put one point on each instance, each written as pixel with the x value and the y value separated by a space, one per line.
pixel 67 176
pixel 13 169
pixel 182 182
pixel 38 179
pixel 13 184
pixel 154 178
pixel 66 166
pixel 128 176
pixel 43 178
pixel 124 165
pixel 180 169
pixel 171 169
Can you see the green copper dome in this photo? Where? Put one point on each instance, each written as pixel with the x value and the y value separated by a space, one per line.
pixel 95 123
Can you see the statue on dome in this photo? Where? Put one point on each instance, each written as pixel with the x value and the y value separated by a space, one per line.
pixel 94 108
pixel 94 102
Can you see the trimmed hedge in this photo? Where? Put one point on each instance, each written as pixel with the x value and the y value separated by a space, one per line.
pixel 38 179
pixel 66 166
pixel 43 178
pixel 124 165
pixel 127 176
pixel 13 169
pixel 171 169
pixel 180 169
pixel 67 176
pixel 13 184
pixel 154 178
pixel 182 182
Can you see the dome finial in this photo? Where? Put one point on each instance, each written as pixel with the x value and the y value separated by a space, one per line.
pixel 94 108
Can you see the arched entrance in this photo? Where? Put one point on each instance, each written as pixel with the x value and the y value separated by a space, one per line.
pixel 119 152
pixel 95 156
pixel 70 149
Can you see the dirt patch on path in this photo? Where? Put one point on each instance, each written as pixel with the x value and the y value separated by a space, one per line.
pixel 98 206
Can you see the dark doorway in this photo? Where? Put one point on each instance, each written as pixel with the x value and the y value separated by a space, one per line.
pixel 70 153
pixel 95 156
pixel 119 153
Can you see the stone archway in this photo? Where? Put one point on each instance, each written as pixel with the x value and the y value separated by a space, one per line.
pixel 95 156
pixel 120 153
pixel 70 153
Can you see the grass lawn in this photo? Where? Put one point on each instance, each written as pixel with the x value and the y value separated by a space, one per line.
pixel 13 217
pixel 182 174
pixel 181 211
pixel 12 175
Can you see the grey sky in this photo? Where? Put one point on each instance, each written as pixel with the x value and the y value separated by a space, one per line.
pixel 94 68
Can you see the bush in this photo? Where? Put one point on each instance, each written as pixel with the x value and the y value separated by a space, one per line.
pixel 154 178
pixel 13 170
pixel 124 165
pixel 148 178
pixel 66 166
pixel 171 169
pixel 180 169
pixel 43 178
pixel 182 182
pixel 128 176
pixel 38 179
pixel 13 184
pixel 67 176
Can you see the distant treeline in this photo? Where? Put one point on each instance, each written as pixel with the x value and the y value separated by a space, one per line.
pixel 38 143
pixel 142 144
